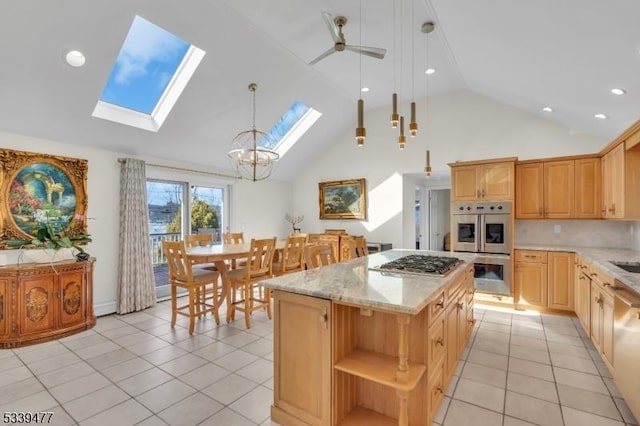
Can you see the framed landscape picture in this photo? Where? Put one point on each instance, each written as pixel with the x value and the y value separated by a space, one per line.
pixel 344 199
pixel 39 189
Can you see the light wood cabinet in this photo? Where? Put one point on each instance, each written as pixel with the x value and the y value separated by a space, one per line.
pixel 588 188
pixel 613 183
pixel 483 181
pixel 337 364
pixel 545 279
pixel 302 359
pixel 40 302
pixel 602 314
pixel 561 277
pixel 583 294
pixel 545 190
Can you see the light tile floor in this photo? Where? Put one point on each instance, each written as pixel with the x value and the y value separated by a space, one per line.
pixel 519 369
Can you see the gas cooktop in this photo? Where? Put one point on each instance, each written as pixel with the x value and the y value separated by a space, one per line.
pixel 421 264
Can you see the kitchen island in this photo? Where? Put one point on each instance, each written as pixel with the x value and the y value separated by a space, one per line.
pixel 357 345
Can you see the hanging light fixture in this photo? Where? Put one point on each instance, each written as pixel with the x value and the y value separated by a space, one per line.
pixel 402 139
pixel 413 125
pixel 427 167
pixel 361 132
pixel 251 153
pixel 394 98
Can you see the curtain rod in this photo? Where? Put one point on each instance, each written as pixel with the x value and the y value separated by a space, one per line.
pixel 162 166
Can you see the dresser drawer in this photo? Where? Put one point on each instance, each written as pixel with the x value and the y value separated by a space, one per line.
pixel 531 256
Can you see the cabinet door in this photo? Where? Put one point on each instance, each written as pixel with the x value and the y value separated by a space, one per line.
pixel 596 316
pixel 531 283
pixel 496 181
pixel 36 304
pixel 607 327
pixel 607 185
pixel 72 300
pixel 5 322
pixel 583 301
pixel 452 337
pixel 617 165
pixel 588 188
pixel 302 357
pixel 561 280
pixel 559 189
pixel 464 183
pixel 529 191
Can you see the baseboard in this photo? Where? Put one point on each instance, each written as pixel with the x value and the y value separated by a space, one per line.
pixel 104 308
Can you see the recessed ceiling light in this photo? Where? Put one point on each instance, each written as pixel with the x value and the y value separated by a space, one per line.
pixel 601 116
pixel 75 58
pixel 364 89
pixel 430 71
pixel 618 91
pixel 547 109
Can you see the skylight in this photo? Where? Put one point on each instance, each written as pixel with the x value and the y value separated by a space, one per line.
pixel 290 127
pixel 151 71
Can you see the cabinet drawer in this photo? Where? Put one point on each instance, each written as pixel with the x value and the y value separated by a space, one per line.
pixel 436 308
pixel 437 343
pixel 600 277
pixel 531 256
pixel 436 387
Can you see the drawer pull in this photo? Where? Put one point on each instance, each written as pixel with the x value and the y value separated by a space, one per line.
pixel 439 390
pixel 594 274
pixel 460 305
pixel 440 304
pixel 440 342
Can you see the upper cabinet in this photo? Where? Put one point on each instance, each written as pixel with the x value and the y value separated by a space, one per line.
pixel 621 177
pixel 588 188
pixel 545 190
pixel 490 180
pixel 613 183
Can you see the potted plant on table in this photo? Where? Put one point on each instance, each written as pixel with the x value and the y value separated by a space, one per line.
pixel 45 237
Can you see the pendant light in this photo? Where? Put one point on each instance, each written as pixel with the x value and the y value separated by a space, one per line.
pixel 427 28
pixel 413 125
pixel 402 139
pixel 361 132
pixel 427 167
pixel 251 153
pixel 394 98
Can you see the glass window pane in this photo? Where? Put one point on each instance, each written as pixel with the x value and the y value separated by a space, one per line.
pixel 207 211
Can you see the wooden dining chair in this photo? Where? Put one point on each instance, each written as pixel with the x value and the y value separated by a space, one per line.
pixel 234 238
pixel 198 240
pixel 243 282
pixel 317 255
pixel 357 247
pixel 291 259
pixel 182 274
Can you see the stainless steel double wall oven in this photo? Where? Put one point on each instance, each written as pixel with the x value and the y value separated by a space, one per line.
pixel 485 228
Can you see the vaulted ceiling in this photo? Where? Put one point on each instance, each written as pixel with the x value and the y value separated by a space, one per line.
pixel 530 54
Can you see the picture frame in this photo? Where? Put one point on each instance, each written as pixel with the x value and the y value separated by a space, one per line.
pixel 343 199
pixel 40 189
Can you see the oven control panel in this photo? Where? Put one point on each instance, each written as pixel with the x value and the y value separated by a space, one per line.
pixel 482 207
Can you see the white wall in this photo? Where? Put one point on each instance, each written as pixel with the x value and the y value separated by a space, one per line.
pixel 459 126
pixel 259 208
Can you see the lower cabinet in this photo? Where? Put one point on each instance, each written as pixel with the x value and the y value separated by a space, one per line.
pixel 337 364
pixel 302 359
pixel 40 302
pixel 545 279
pixel 583 295
pixel 602 316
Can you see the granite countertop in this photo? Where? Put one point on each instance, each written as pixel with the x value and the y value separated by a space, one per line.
pixel 354 283
pixel 602 258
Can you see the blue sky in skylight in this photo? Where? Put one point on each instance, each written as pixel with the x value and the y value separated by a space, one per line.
pixel 286 122
pixel 147 61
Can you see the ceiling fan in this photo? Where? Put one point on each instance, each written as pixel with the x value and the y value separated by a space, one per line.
pixel 335 28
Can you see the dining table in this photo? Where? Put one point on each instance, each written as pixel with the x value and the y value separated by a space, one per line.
pixel 219 255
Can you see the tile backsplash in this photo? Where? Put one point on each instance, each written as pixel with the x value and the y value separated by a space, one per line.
pixel 582 233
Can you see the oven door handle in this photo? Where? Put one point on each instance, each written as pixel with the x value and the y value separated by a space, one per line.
pixel 480 241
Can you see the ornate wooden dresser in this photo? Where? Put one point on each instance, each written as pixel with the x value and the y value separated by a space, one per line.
pixel 45 301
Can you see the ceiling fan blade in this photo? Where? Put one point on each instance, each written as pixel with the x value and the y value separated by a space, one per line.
pixel 374 52
pixel 331 26
pixel 324 55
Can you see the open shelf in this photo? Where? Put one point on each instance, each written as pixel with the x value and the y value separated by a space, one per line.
pixel 363 416
pixel 380 368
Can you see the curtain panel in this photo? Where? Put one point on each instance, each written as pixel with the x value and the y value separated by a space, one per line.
pixel 136 283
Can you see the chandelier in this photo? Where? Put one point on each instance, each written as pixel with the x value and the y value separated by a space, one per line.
pixel 251 154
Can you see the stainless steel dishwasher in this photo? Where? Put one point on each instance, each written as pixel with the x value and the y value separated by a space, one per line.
pixel 626 346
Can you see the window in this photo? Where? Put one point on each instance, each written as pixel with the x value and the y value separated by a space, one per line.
pixel 290 127
pixel 151 71
pixel 172 215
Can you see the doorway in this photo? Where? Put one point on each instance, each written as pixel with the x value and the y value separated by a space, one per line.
pixel 432 218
